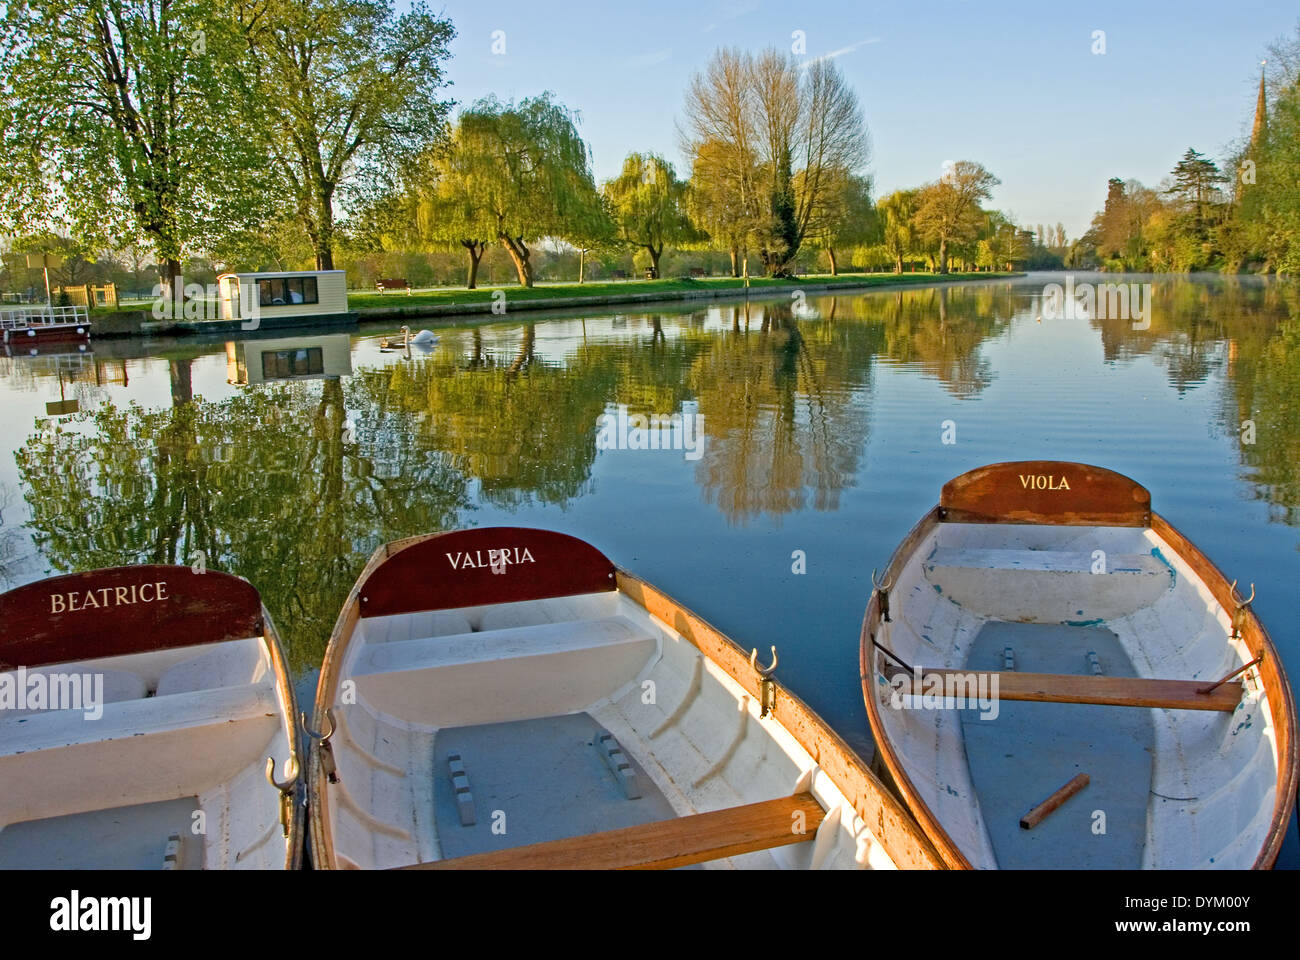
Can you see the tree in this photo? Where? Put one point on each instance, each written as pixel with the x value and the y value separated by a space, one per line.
pixel 847 218
pixel 648 204
pixel 948 209
pixel 348 95
pixel 897 213
pixel 122 120
pixel 529 169
pixel 778 133
pixel 1196 181
pixel 713 204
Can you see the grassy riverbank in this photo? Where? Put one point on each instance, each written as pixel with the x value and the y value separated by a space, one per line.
pixel 452 302
pixel 666 289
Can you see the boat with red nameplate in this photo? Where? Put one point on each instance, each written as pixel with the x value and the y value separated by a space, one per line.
pixel 1057 677
pixel 147 721
pixel 508 698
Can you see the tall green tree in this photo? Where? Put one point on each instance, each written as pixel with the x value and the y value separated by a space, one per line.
pixel 897 215
pixel 779 134
pixel 348 91
pixel 648 204
pixel 124 120
pixel 529 169
pixel 948 210
pixel 1196 181
pixel 847 218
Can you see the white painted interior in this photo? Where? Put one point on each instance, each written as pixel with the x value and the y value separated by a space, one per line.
pixel 700 739
pixel 189 721
pixel 1169 624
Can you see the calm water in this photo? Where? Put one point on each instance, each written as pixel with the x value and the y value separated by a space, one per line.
pixel 823 435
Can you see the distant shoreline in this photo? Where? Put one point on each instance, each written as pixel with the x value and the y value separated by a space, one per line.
pixel 439 305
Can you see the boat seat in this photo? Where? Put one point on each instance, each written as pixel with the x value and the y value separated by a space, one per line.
pixel 1104 690
pixel 228 665
pixel 497 675
pixel 1047 585
pixel 137 752
pixel 663 844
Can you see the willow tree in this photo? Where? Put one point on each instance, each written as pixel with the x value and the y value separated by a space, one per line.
pixel 648 203
pixel 948 210
pixel 348 92
pixel 785 131
pixel 530 171
pixel 123 120
pixel 896 214
pixel 847 218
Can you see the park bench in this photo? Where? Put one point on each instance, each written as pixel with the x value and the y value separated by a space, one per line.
pixel 394 284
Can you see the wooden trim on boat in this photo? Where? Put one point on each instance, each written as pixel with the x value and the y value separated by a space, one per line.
pixel 888 821
pixel 289 703
pixel 661 845
pixel 1271 671
pixel 1045 492
pixel 951 854
pixel 1281 700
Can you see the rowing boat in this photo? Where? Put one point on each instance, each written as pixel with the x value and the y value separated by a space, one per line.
pixel 146 722
pixel 1056 677
pixel 508 698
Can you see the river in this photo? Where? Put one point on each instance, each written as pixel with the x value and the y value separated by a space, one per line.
pixel 828 427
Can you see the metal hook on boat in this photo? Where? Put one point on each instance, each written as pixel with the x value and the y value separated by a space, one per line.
pixel 286 789
pixel 326 748
pixel 1238 615
pixel 882 594
pixel 766 685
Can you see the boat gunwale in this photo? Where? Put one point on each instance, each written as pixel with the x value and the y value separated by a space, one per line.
pixel 1271 671
pixel 808 729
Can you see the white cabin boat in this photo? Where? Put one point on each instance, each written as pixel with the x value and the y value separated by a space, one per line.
pixel 508 698
pixel 289 298
pixel 1056 677
pixel 146 722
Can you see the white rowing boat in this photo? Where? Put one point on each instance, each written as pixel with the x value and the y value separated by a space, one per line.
pixel 146 722
pixel 1056 677
pixel 508 698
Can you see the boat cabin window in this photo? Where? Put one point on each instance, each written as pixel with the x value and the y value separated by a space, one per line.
pixel 278 364
pixel 282 291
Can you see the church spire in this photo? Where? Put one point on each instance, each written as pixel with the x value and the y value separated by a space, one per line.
pixel 1261 119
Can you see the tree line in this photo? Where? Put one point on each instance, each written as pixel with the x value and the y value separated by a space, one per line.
pixel 1238 214
pixel 237 135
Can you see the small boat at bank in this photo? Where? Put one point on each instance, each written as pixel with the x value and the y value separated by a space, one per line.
pixel 1056 677
pixel 33 328
pixel 146 722
pixel 508 698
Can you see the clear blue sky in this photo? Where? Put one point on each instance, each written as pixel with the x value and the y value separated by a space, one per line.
pixel 1014 86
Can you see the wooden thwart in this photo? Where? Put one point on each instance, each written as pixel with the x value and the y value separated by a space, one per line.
pixel 1108 691
pixel 1040 813
pixel 663 844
